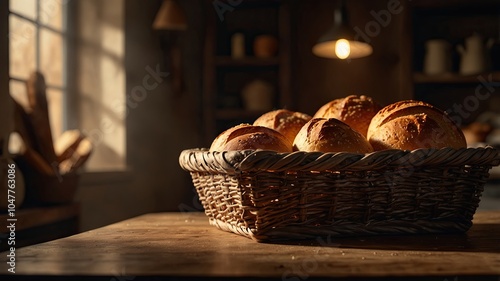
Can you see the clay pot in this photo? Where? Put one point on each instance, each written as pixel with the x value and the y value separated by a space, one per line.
pixel 265 46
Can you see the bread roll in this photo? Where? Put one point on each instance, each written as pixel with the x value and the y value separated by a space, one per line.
pixel 355 111
pixel 287 122
pixel 410 125
pixel 330 135
pixel 220 141
pixel 247 136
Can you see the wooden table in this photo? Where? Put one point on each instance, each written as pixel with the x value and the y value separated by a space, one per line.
pixel 183 246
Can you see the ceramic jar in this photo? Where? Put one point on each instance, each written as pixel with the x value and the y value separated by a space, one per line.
pixel 438 57
pixel 258 95
pixel 238 46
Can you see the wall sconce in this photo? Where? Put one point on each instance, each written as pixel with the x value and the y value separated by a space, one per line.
pixel 169 20
pixel 340 41
pixel 170 17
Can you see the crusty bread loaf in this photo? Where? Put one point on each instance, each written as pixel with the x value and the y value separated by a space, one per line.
pixel 247 136
pixel 330 135
pixel 355 111
pixel 410 125
pixel 39 118
pixel 287 122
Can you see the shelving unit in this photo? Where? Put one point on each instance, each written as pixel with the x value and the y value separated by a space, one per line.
pixel 453 21
pixel 225 76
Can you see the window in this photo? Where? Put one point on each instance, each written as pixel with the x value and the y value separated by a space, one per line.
pixel 94 100
pixel 37 41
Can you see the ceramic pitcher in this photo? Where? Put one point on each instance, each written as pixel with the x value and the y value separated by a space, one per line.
pixel 475 57
pixel 438 58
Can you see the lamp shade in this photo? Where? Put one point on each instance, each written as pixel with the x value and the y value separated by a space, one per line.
pixel 340 41
pixel 170 17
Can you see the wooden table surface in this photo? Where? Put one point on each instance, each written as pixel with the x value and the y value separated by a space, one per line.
pixel 185 246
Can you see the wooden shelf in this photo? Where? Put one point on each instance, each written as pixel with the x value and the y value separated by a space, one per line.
pixel 34 217
pixel 247 61
pixel 40 224
pixel 420 78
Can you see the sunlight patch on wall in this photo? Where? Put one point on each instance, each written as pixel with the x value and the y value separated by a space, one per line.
pixel 101 79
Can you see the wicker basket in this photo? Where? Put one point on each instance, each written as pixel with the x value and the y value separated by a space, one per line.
pixel 268 196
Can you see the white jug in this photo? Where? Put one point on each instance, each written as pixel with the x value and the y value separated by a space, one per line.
pixel 475 57
pixel 438 57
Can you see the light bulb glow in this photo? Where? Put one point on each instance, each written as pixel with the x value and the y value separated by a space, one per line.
pixel 342 48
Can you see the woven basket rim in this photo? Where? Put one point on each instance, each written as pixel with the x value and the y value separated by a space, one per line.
pixel 232 162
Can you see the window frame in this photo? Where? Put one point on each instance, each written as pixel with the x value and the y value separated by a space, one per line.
pixel 64 33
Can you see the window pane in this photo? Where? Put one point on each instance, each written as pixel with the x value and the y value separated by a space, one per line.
pixel 18 93
pixel 25 8
pixel 51 57
pixel 55 102
pixel 22 43
pixel 51 13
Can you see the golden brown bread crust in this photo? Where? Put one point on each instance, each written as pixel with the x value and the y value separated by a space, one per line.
pixel 287 122
pixel 330 135
pixel 220 141
pixel 247 136
pixel 355 111
pixel 410 125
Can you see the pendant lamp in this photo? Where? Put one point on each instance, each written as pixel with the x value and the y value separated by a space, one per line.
pixel 340 41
